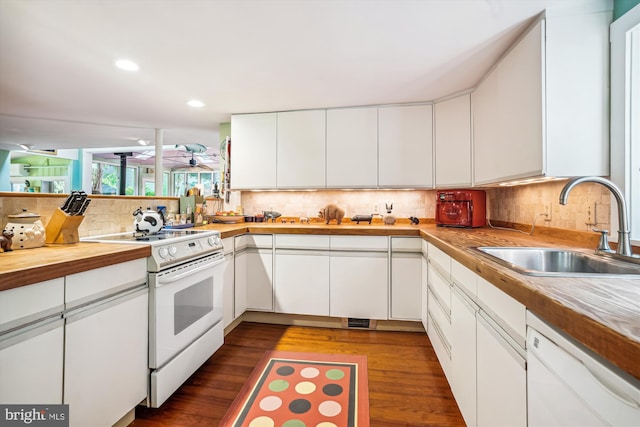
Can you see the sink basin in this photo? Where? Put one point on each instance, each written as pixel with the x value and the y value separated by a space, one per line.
pixel 558 262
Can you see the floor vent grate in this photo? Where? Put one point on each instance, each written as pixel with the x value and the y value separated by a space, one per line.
pixel 353 322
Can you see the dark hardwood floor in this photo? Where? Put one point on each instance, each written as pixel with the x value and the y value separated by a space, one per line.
pixel 406 384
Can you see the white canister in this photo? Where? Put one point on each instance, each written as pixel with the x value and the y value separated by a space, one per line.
pixel 28 231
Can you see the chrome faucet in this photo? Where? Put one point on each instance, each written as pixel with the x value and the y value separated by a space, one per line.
pixel 624 243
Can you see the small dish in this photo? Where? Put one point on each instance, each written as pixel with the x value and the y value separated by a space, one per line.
pixel 229 219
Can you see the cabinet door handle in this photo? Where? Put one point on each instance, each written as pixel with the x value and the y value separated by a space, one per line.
pixel 33 330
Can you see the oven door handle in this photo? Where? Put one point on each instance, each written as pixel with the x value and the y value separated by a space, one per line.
pixel 172 279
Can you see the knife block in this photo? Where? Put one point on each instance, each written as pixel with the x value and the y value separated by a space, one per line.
pixel 63 228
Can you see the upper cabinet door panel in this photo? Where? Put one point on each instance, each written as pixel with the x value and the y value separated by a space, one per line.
pixel 520 91
pixel 301 156
pixel 405 138
pixel 486 128
pixel 543 110
pixel 253 151
pixel 507 114
pixel 577 82
pixel 352 147
pixel 453 142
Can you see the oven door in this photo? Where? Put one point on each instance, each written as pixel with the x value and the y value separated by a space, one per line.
pixel 185 302
pixel 454 213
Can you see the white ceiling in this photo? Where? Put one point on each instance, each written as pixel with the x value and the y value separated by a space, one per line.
pixel 57 56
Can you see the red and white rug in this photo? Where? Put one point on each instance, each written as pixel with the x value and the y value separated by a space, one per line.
pixel 294 389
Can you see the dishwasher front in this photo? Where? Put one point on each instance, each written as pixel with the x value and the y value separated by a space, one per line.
pixel 566 386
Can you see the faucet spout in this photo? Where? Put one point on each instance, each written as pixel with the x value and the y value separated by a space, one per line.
pixel 624 242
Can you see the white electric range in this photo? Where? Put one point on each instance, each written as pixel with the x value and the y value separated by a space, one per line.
pixel 185 303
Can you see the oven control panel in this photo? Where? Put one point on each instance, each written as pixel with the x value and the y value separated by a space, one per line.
pixel 178 251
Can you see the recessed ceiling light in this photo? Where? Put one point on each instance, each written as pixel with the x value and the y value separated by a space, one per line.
pixel 195 103
pixel 143 142
pixel 26 147
pixel 125 64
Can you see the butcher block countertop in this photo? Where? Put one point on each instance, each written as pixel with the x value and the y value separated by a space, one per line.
pixel 27 266
pixel 601 313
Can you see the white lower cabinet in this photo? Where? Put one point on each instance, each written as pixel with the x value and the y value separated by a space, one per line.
pixel 302 275
pixel 240 283
pixel 406 278
pixel 106 365
pixel 476 329
pixel 439 307
pixel 501 379
pixel 302 285
pixel 358 277
pixel 253 273
pixel 260 279
pixel 358 285
pixel 228 279
pixel 31 364
pixel 463 354
pixel 439 323
pixel 424 303
pixel 31 343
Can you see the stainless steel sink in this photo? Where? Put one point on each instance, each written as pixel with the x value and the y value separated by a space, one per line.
pixel 558 262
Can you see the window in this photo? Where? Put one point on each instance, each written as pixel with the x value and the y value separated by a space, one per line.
pixel 625 113
pixel 182 181
pixel 105 179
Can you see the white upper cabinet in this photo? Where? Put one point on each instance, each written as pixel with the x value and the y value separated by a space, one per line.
pixel 508 114
pixel 301 157
pixel 253 151
pixel 453 142
pixel 542 111
pixel 405 146
pixel 352 139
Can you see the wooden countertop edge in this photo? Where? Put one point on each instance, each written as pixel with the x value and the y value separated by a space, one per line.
pixel 619 349
pixel 47 270
pixel 230 230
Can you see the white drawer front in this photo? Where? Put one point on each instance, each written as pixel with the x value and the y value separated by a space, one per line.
pixel 511 315
pixel 436 311
pixel 465 278
pixel 27 302
pixel 441 288
pixel 406 244
pixel 99 282
pixel 298 241
pixel 441 348
pixel 263 241
pixel 365 243
pixel 441 259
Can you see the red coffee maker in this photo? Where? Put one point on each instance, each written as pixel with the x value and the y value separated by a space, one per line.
pixel 461 208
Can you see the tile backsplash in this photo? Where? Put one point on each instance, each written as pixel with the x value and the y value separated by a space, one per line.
pixel 105 215
pixel 418 203
pixel 588 204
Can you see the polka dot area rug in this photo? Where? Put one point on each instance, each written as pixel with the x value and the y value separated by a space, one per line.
pixel 292 389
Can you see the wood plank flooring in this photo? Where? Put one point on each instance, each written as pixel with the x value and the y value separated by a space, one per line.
pixel 406 384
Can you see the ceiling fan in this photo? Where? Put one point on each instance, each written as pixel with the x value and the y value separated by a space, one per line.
pixel 194 149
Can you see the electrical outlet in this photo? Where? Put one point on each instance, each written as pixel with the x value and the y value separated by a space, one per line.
pixel 547 211
pixel 375 208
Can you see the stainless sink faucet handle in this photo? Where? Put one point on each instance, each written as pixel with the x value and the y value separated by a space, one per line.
pixel 603 244
pixel 624 242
